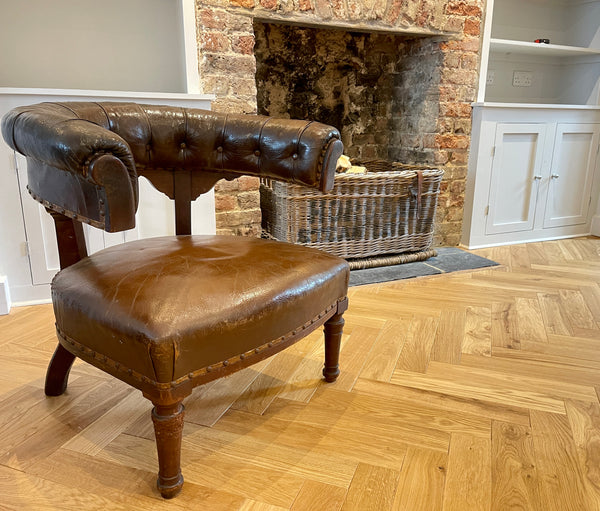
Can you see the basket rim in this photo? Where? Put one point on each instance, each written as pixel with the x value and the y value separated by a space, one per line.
pixel 392 163
pixel 427 173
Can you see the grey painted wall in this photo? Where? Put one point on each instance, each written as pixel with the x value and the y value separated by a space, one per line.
pixel 128 45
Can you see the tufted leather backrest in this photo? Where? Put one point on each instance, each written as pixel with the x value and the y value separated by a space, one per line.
pixel 84 158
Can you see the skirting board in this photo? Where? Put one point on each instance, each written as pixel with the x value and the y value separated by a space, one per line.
pixel 4 296
pixel 595 228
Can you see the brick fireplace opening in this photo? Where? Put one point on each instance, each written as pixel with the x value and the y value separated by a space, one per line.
pixel 380 90
pixel 397 77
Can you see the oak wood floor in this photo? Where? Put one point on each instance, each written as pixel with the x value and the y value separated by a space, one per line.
pixel 461 392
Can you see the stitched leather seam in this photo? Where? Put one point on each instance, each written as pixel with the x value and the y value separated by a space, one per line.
pixel 220 156
pixel 101 107
pixel 260 144
pixel 185 131
pixel 12 130
pixel 323 154
pixel 63 105
pixel 68 213
pixel 118 367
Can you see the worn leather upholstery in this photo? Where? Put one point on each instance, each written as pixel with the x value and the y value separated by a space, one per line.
pixel 167 307
pixel 166 314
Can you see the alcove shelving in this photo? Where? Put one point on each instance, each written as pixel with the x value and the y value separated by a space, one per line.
pixel 564 72
pixel 534 164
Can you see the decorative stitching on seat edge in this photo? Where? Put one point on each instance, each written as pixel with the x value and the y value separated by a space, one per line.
pixel 195 374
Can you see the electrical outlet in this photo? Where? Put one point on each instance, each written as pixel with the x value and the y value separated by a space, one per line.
pixel 522 78
pixel 491 74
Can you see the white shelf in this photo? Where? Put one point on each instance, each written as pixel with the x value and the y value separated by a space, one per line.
pixel 534 106
pixel 539 49
pixel 105 94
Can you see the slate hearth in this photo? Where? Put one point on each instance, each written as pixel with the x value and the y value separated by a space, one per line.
pixel 448 259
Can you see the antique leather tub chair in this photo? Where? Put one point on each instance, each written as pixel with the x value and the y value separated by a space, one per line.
pixel 167 314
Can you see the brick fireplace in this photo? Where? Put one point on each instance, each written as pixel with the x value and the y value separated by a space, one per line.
pixel 395 76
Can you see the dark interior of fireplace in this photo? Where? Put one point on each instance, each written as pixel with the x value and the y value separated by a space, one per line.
pixel 381 90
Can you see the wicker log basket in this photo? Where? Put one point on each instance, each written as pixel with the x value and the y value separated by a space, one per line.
pixel 387 210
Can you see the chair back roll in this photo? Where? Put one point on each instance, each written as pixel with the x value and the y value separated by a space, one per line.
pixel 84 158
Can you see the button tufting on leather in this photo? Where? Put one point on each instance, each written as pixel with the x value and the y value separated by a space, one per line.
pixel 148 147
pixel 295 156
pixel 219 149
pixel 182 145
pixel 257 153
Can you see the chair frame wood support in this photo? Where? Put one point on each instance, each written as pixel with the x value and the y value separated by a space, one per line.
pixel 168 430
pixel 333 337
pixel 71 249
pixel 57 375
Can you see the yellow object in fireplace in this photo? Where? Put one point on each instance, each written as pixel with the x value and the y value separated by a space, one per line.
pixel 344 165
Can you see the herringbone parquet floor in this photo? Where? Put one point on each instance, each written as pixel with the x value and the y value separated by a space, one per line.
pixel 467 391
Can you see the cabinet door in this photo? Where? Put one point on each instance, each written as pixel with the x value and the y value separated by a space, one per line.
pixel 571 174
pixel 516 174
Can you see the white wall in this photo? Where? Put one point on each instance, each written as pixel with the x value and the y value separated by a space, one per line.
pixel 122 45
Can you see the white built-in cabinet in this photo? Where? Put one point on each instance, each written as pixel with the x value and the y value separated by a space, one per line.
pixel 546 171
pixel 569 195
pixel 517 159
pixel 534 166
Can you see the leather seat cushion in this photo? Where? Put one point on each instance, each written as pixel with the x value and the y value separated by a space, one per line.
pixel 165 307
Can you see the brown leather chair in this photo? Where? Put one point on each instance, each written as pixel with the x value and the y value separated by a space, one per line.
pixel 167 314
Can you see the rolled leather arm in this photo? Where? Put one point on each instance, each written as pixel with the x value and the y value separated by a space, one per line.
pixel 74 166
pixel 53 135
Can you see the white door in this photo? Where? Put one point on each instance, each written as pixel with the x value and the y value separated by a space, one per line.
pixel 571 174
pixel 516 174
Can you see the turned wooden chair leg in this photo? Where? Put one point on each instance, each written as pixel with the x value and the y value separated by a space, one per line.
pixel 57 374
pixel 333 337
pixel 168 429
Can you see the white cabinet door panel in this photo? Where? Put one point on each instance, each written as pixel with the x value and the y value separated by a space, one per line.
pixel 516 173
pixel 571 174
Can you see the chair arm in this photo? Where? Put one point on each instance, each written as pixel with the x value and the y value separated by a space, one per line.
pixel 53 135
pixel 75 166
pixel 296 151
